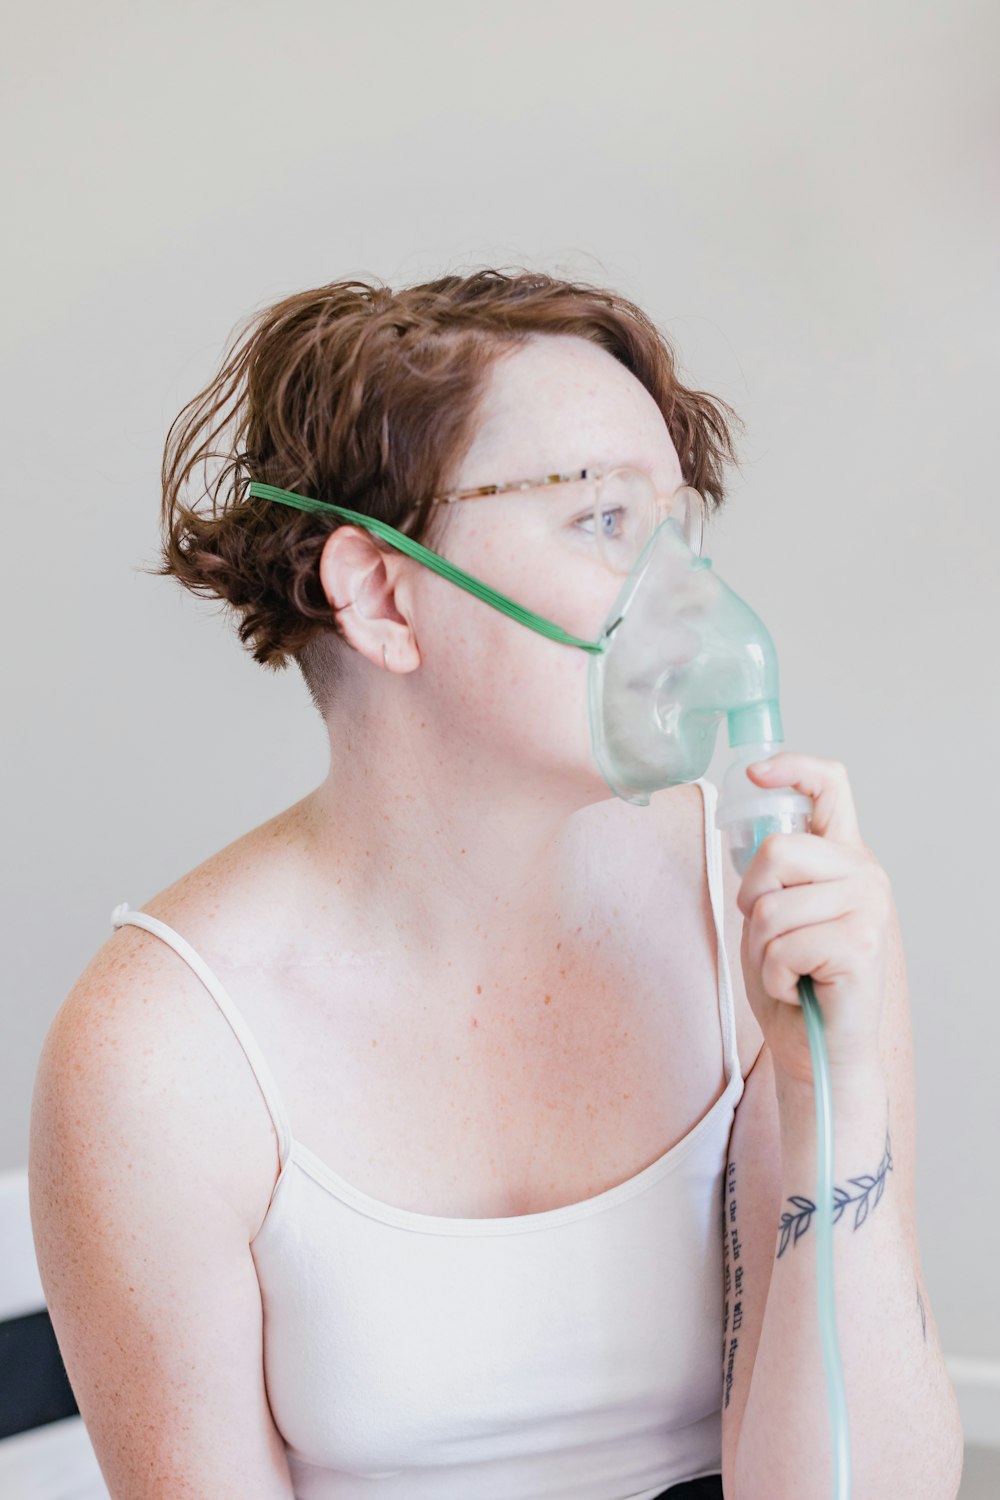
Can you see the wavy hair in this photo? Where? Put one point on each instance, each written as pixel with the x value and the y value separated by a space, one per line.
pixel 368 398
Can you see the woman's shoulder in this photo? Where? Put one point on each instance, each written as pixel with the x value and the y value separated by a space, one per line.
pixel 223 903
pixel 140 1035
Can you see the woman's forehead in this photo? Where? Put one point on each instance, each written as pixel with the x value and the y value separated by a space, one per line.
pixel 559 403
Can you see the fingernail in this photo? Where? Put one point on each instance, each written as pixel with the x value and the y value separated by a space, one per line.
pixel 763 766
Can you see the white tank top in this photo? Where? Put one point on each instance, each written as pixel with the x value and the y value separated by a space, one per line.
pixel 573 1354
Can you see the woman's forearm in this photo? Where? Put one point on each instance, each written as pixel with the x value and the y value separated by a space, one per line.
pixel 905 1429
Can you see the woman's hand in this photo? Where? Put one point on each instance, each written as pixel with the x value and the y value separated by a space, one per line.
pixel 816 903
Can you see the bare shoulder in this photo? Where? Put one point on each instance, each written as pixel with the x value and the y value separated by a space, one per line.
pixel 140 1041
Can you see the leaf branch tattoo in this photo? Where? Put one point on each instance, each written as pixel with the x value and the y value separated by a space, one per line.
pixel 794 1225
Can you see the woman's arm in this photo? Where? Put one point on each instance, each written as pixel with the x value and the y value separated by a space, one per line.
pixel 905 1427
pixel 143 1252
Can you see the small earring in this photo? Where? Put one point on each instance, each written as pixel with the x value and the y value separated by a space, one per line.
pixel 385 660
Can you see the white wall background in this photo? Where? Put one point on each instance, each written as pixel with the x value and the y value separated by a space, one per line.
pixel 803 195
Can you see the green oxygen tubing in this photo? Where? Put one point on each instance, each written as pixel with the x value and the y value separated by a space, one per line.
pixel 678 654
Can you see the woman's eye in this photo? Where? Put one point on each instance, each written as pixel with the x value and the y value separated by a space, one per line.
pixel 610 521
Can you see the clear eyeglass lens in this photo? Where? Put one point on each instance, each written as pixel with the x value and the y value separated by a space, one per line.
pixel 627 512
pixel 688 507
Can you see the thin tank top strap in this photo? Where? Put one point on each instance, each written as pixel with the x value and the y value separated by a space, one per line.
pixel 714 855
pixel 265 1079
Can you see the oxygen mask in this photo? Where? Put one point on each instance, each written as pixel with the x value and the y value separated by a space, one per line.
pixel 681 652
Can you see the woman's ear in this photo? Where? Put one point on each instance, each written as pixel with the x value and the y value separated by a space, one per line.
pixel 359 578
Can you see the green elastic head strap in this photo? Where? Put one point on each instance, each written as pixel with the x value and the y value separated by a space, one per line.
pixel 433 561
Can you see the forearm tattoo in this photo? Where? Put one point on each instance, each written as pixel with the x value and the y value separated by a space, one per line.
pixel 733 1278
pixel 870 1189
pixel 793 1226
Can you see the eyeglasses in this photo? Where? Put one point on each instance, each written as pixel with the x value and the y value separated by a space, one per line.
pixel 622 507
pixel 631 526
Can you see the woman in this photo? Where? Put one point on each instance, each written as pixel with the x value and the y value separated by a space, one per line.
pixel 450 1220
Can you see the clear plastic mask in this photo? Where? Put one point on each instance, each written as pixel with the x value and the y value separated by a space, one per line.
pixel 681 653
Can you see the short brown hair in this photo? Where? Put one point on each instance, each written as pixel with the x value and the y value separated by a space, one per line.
pixel 368 398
